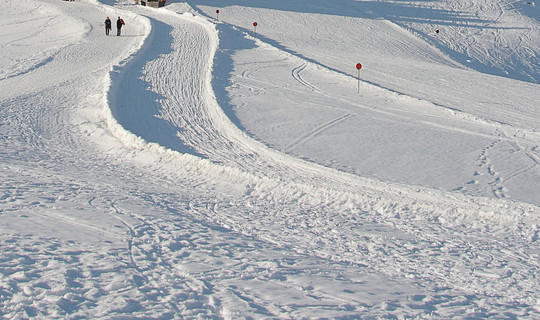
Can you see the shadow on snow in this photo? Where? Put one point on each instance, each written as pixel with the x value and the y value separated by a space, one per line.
pixel 135 106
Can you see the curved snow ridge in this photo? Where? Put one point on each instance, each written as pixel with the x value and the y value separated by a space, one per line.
pixel 437 203
pixel 372 196
pixel 132 141
pixel 297 181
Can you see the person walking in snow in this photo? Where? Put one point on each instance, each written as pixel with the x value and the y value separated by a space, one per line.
pixel 108 25
pixel 119 24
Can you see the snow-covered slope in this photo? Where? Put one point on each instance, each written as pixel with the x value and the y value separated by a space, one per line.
pixel 452 127
pixel 187 169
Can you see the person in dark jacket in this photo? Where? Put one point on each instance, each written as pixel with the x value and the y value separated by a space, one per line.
pixel 119 24
pixel 108 25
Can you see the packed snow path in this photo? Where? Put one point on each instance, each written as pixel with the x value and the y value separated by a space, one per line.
pixel 131 193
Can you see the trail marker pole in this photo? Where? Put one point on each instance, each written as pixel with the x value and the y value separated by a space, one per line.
pixel 217 14
pixel 254 29
pixel 358 67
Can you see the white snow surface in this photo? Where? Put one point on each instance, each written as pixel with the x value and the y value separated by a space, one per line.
pixel 197 167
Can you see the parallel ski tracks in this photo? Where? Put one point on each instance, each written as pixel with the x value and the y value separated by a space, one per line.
pixel 316 131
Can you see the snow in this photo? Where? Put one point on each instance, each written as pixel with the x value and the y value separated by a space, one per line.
pixel 191 168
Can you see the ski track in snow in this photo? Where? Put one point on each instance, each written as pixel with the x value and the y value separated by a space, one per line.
pixel 153 204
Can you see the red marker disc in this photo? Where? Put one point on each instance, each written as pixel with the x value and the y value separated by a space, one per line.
pixel 358 66
pixel 254 24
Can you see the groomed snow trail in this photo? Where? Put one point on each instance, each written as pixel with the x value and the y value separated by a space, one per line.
pixel 147 201
pixel 212 135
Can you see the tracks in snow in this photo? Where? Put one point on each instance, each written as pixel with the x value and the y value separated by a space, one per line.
pixel 316 131
pixel 242 230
